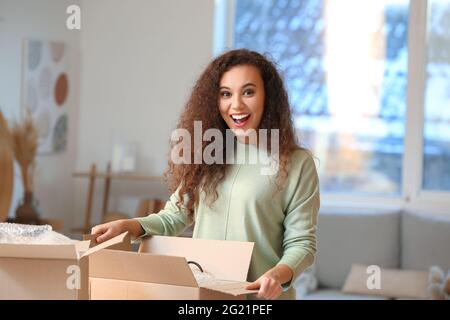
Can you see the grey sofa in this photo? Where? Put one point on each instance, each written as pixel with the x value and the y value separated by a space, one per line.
pixel 389 239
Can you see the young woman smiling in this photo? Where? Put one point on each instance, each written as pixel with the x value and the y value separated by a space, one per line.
pixel 242 89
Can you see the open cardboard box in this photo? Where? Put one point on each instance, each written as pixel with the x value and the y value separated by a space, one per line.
pixel 160 270
pixel 56 271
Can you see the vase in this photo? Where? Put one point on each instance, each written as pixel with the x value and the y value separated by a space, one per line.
pixel 27 212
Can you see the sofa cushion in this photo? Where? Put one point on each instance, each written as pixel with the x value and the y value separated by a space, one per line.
pixel 425 241
pixel 345 237
pixel 393 283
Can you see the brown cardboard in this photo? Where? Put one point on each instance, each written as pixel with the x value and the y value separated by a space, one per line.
pixel 110 289
pixel 212 255
pixel 30 271
pixel 160 270
pixel 133 266
pixel 124 245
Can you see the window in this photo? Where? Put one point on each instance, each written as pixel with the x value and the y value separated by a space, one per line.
pixel 436 165
pixel 352 71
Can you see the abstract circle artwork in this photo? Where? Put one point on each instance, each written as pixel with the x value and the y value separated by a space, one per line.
pixel 32 96
pixel 60 133
pixel 61 88
pixel 57 50
pixel 45 79
pixel 43 120
pixel 34 54
pixel 46 88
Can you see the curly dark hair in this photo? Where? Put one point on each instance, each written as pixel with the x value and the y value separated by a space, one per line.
pixel 203 105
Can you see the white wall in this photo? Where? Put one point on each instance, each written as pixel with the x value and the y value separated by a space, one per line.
pixel 43 19
pixel 140 59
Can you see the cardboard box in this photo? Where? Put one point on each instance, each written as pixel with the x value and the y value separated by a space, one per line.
pixel 160 270
pixel 59 271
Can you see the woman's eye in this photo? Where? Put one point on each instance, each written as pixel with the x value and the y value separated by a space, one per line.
pixel 225 94
pixel 248 92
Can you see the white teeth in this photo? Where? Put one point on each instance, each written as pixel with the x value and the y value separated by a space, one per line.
pixel 239 116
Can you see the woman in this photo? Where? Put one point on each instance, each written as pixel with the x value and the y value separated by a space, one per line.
pixel 235 200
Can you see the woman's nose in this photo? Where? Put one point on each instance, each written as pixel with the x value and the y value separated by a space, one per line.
pixel 237 102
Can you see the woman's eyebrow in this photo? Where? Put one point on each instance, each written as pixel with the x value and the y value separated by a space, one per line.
pixel 245 85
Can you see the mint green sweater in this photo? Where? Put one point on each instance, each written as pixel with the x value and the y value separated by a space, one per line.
pixel 283 227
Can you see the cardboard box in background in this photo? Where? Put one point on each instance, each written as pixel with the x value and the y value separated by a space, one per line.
pixel 160 270
pixel 53 271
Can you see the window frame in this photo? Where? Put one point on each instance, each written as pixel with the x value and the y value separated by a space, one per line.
pixel 412 196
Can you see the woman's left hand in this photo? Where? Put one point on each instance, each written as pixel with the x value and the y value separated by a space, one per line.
pixel 269 287
pixel 269 284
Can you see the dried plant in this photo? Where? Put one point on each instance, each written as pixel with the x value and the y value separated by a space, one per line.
pixel 5 133
pixel 25 143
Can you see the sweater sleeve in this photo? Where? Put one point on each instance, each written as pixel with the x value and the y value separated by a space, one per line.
pixel 170 221
pixel 299 241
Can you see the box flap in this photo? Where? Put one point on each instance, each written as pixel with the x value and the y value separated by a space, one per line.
pixel 41 251
pixel 235 288
pixel 125 245
pixel 123 238
pixel 82 246
pixel 133 266
pixel 212 255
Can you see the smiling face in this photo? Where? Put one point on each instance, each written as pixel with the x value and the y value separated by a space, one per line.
pixel 241 97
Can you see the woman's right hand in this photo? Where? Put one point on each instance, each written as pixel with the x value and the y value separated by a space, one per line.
pixel 111 229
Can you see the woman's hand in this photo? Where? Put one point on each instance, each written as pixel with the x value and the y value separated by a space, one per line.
pixel 109 230
pixel 269 287
pixel 269 284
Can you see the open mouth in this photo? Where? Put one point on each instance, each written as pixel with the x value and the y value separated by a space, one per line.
pixel 240 119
